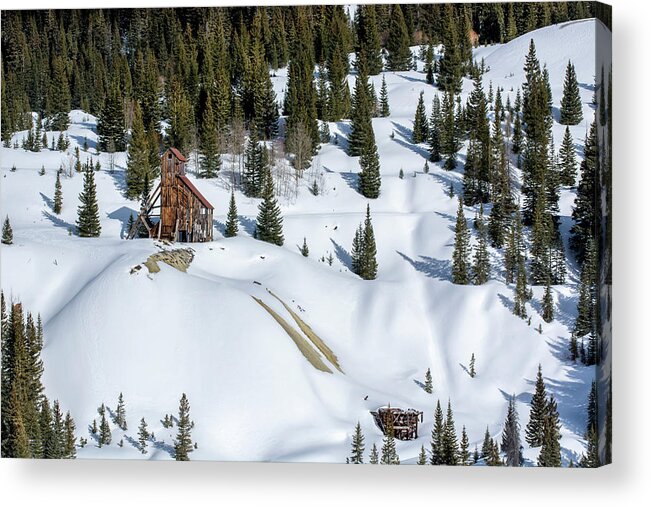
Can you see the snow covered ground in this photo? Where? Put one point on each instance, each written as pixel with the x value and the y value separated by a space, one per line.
pixel 253 395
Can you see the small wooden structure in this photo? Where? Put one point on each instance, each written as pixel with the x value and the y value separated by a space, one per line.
pixel 176 210
pixel 404 422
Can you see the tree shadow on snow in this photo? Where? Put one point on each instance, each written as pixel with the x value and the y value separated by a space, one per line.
pixel 418 150
pixel 162 446
pixel 80 141
pixel 122 214
pixel 119 180
pixel 221 227
pixel 48 202
pixel 343 256
pixel 58 222
pixel 248 224
pixel 411 78
pixel 351 179
pixel 434 268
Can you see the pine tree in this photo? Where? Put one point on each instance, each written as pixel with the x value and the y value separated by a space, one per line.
pixel 493 459
pixel 461 248
pixel 481 265
pixel 69 448
pixel 7 232
pixel 548 304
pixel 397 46
pixel 361 127
pixel 356 251
pixel 586 305
pixel 58 95
pixel 269 222
pixel 471 368
pixel 464 454
pixel 521 293
pixel 104 429
pixel 305 251
pixel 374 458
pixel 183 445
pixel 422 456
pixel 110 123
pixel 368 38
pixel 88 225
pixel 231 218
pixel 137 157
pixel 602 99
pixel 389 455
pixel 143 436
pixel 357 451
pixel 550 452
pixel 449 132
pixel 450 66
pixel 369 162
pixel 210 162
pixel 255 164
pixel 487 445
pixel 384 99
pixel 584 212
pixel 571 108
pixel 429 64
pixel 434 136
pixel 368 261
pixel 534 431
pixel 120 414
pixel 420 131
pixel 567 159
pixel 438 435
pixel 58 195
pixel 511 436
pixel 428 382
pixel 449 443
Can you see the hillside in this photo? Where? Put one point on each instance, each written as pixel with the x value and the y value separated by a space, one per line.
pixel 253 394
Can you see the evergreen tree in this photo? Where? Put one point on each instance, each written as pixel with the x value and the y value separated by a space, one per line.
pixel 58 195
pixel 143 436
pixel 104 429
pixel 477 170
pixel 69 448
pixel 586 305
pixel 567 159
pixel 449 132
pixel 471 367
pixel 110 123
pixel 521 293
pixel 269 222
pixel 183 445
pixel 449 444
pixel 584 212
pixel 368 261
pixel 464 454
pixel 120 414
pixel 487 445
pixel 461 253
pixel 137 157
pixel 550 451
pixel 368 38
pixel 384 100
pixel 420 132
pixel 511 436
pixel 369 162
pixel 88 225
pixel 398 52
pixel 58 95
pixel 428 382
pixel 493 459
pixel 255 164
pixel 181 123
pixel 389 455
pixel 602 99
pixel 434 136
pixel 361 113
pixel 534 432
pixel 422 456
pixel 450 66
pixel 305 251
pixel 591 458
pixel 7 232
pixel 548 304
pixel 481 265
pixel 438 436
pixel 571 108
pixel 231 218
pixel 357 250
pixel 429 64
pixel 210 162
pixel 374 458
pixel 357 451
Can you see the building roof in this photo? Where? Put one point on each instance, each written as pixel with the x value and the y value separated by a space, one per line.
pixel 194 190
pixel 178 154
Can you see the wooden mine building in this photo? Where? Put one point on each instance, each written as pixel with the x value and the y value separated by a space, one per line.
pixel 403 422
pixel 176 210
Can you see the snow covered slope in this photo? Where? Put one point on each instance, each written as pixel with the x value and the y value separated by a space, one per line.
pixel 253 394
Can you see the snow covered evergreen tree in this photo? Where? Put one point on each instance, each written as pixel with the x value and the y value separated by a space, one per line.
pixel 269 222
pixel 420 130
pixel 7 232
pixel 231 218
pixel 88 225
pixel 511 445
pixel 357 451
pixel 460 256
pixel 571 107
pixel 534 431
pixel 183 445
pixel 58 195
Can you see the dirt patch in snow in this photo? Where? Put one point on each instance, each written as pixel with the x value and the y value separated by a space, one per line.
pixel 180 259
